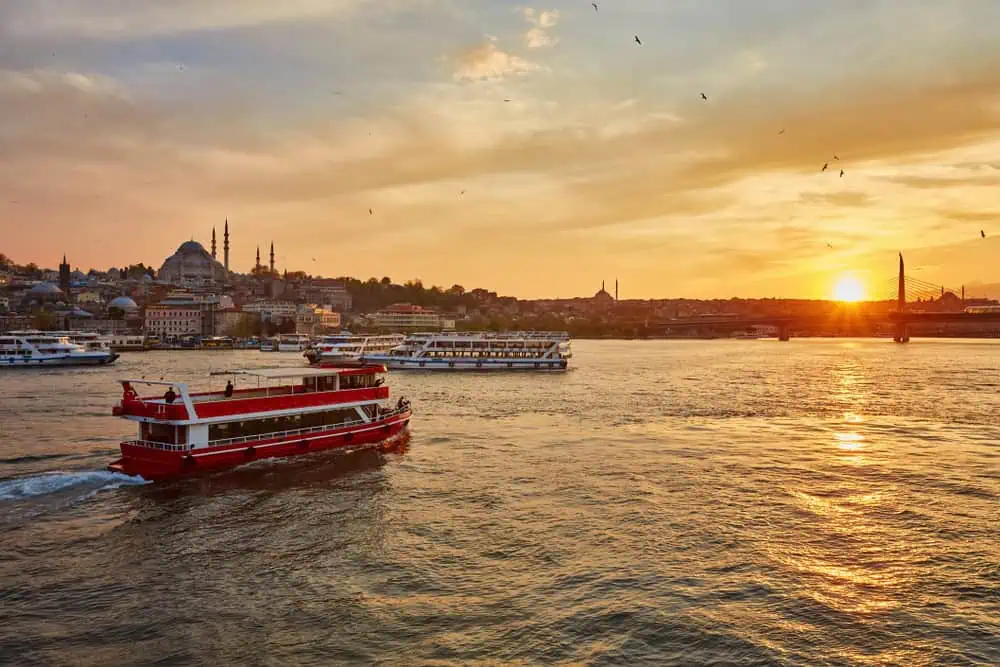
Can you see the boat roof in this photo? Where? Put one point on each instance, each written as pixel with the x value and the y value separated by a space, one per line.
pixel 302 372
pixel 273 374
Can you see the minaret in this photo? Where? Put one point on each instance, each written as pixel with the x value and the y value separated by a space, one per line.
pixel 272 256
pixel 616 290
pixel 602 285
pixel 64 276
pixel 213 242
pixel 225 246
pixel 258 259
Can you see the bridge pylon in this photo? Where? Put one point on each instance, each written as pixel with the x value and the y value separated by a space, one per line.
pixel 902 328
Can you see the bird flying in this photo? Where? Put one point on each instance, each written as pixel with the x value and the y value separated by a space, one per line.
pixel 825 166
pixel 982 233
pixel 371 212
pixel 594 5
pixel 841 173
pixel 829 245
pixel 781 131
pixel 704 96
pixel 638 41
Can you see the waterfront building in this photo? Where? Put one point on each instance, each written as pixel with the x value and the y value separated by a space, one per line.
pixel 405 316
pixel 271 310
pixel 312 319
pixel 170 320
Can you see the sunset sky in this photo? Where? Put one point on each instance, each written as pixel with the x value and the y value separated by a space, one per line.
pixel 127 128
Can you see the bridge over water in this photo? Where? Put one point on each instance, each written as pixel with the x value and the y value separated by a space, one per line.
pixel 899 320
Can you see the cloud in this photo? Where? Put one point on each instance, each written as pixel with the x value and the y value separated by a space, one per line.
pixel 487 61
pixel 112 19
pixel 609 161
pixel 537 36
pixel 844 198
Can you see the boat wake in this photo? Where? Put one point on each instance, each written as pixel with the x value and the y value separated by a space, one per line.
pixel 29 486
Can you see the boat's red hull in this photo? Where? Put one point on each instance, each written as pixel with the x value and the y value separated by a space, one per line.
pixel 155 464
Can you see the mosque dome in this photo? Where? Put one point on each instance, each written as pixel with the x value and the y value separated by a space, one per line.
pixel 123 303
pixel 43 291
pixel 191 264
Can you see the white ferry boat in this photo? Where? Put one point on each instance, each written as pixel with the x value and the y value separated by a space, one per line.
pixel 479 351
pixel 121 342
pixel 293 342
pixel 19 349
pixel 88 340
pixel 346 349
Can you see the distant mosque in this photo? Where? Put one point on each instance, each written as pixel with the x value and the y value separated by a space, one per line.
pixel 193 265
pixel 603 299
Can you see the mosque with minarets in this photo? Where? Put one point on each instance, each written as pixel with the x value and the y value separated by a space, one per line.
pixel 193 265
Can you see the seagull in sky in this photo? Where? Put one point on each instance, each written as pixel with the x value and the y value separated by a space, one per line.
pixel 841 173
pixel 704 97
pixel 638 41
pixel 594 5
pixel 825 166
pixel 982 233
pixel 371 212
pixel 835 157
pixel 781 131
pixel 829 245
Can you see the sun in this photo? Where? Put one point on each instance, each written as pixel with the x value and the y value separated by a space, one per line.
pixel 849 288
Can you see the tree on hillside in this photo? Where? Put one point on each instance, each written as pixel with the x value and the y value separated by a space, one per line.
pixel 247 326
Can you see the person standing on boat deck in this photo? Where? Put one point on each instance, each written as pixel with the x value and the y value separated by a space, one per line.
pixel 229 389
pixel 170 396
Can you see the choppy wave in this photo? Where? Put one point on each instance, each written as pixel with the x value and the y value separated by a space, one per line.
pixel 29 486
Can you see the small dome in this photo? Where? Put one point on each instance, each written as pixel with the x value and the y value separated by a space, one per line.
pixel 45 290
pixel 123 303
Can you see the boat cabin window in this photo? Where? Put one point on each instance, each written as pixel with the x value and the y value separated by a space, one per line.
pixel 260 427
pixel 357 381
pixel 164 433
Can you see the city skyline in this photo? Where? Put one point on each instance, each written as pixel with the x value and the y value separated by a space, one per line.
pixel 379 140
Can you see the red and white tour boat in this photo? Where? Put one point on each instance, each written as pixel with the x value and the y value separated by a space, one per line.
pixel 289 411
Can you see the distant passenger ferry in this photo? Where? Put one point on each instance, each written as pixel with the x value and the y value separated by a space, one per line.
pixel 19 349
pixel 346 349
pixel 293 342
pixel 479 351
pixel 128 342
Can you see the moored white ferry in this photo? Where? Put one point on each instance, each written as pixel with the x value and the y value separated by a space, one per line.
pixel 280 412
pixel 88 340
pixel 479 351
pixel 346 349
pixel 20 349
pixel 124 342
pixel 293 342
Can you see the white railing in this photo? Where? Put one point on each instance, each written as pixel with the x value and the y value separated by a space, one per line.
pixel 273 435
pixel 151 444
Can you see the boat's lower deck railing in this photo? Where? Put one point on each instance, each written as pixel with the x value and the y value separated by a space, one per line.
pixel 273 435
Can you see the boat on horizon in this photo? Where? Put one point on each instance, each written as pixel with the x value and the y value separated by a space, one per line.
pixel 308 410
pixel 346 349
pixel 35 349
pixel 479 351
pixel 295 342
